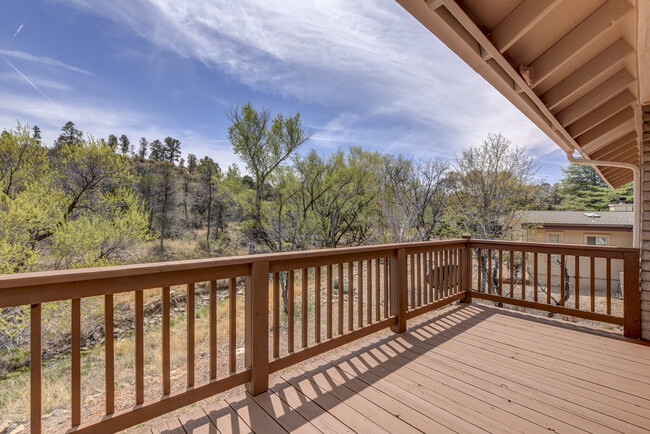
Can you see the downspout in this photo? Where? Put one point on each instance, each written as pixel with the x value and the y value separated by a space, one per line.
pixel 637 188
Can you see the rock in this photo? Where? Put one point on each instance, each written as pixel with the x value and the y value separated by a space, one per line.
pixel 240 351
pixel 4 426
pixel 18 430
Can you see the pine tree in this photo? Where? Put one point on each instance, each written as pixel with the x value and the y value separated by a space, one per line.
pixel 191 162
pixel 112 141
pixel 125 144
pixel 157 151
pixel 144 144
pixel 37 134
pixel 172 149
pixel 71 136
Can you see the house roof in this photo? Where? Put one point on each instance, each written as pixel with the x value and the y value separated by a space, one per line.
pixel 576 68
pixel 579 219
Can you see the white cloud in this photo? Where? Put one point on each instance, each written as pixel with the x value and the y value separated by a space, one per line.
pixel 365 59
pixel 42 60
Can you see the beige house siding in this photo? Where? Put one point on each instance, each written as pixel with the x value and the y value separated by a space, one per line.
pixel 645 228
pixel 614 238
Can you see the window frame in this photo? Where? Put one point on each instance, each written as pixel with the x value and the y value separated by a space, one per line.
pixel 596 235
pixel 560 237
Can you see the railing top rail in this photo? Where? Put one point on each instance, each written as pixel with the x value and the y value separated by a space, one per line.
pixel 44 278
pixel 568 249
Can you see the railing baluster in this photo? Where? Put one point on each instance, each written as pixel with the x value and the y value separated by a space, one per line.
pixel 489 276
pixel 535 275
pixel 360 293
pixel 523 275
pixel 562 283
pixel 459 264
pixel 351 295
pixel 386 280
pixel 548 278
pixel 139 347
pixel 109 354
pixel 421 291
pixel 75 374
pixel 317 320
pixel 412 280
pixel 213 329
pixel 427 284
pixel 512 273
pixel 398 286
pixel 304 305
pixel 290 297
pixel 329 301
pixel 479 267
pixel 377 289
pixel 609 286
pixel 448 274
pixel 440 267
pixel 340 292
pixel 276 314
pixel 501 272
pixel 369 290
pixel 452 261
pixel 592 280
pixel 190 335
pixel 166 365
pixel 454 271
pixel 576 290
pixel 232 325
pixel 35 367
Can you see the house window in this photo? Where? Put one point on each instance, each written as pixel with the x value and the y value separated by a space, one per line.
pixel 555 238
pixel 596 240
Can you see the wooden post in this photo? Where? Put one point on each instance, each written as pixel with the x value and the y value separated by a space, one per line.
pixel 257 327
pixel 398 290
pixel 36 359
pixel 631 295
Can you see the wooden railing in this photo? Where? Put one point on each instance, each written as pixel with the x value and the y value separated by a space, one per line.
pixel 572 280
pixel 341 295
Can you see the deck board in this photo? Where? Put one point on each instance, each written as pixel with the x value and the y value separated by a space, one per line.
pixel 467 368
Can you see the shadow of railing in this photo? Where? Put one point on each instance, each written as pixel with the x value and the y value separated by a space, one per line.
pixel 320 401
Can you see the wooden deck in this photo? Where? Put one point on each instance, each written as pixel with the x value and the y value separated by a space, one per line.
pixel 468 368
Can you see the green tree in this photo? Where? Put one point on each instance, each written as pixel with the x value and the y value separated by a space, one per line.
pixel 165 200
pixel 142 150
pixel 72 207
pixel 70 136
pixel 348 209
pixel 125 145
pixel 263 145
pixel 191 162
pixel 112 141
pixel 208 173
pixel 172 149
pixel 158 152
pixel 37 134
pixel 581 188
pixel 489 185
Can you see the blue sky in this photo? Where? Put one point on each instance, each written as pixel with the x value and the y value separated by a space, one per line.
pixel 360 73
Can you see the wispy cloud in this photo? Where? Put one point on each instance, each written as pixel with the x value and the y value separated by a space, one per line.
pixel 366 59
pixel 43 60
pixel 30 82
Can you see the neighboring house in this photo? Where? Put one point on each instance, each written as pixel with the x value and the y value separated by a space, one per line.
pixel 595 228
